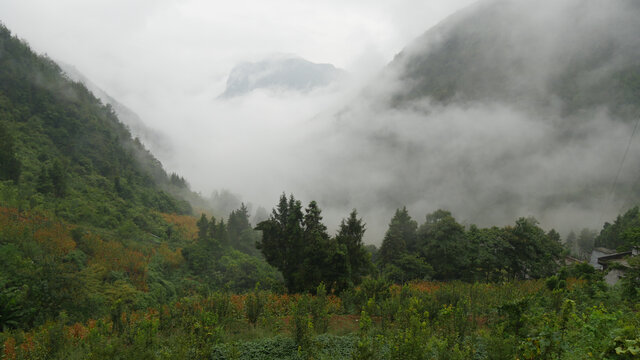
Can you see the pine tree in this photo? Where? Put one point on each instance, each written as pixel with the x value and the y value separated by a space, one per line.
pixel 203 228
pixel 282 240
pixel 238 223
pixel 402 231
pixel 350 235
pixel 10 166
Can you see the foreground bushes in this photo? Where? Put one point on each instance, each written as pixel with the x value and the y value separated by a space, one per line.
pixel 428 320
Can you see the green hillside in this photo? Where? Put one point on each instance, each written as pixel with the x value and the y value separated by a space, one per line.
pixel 89 219
pixel 75 157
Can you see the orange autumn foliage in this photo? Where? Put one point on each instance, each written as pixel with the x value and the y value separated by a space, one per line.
pixel 9 349
pixel 52 235
pixel 114 256
pixel 185 225
pixel 172 258
pixel 77 331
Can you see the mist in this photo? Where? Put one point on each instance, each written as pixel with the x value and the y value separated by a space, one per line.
pixel 488 158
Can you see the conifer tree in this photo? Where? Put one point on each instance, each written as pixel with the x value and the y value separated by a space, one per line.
pixel 10 166
pixel 402 231
pixel 350 235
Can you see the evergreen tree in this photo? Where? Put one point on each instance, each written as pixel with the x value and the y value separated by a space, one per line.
pixel 221 233
pixel 316 248
pixel 10 166
pixel 238 223
pixel 43 181
pixel 282 242
pixel 402 231
pixel 350 235
pixel 58 175
pixel 444 245
pixel 203 227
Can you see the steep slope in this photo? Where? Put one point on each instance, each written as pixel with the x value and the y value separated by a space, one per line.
pixel 88 225
pixel 506 107
pixel 72 147
pixel 583 54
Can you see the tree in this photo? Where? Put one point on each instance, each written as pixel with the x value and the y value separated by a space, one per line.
pixel 350 235
pixel 619 235
pixel 531 252
pixel 241 235
pixel 408 267
pixel 443 245
pixel 487 252
pixel 400 234
pixel 315 242
pixel 238 222
pixel 203 227
pixel 282 241
pixel 586 242
pixel 10 166
pixel 299 246
pixel 58 175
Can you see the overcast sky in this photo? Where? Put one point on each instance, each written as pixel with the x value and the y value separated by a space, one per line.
pixel 133 47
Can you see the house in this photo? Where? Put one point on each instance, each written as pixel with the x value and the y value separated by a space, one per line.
pixel 615 264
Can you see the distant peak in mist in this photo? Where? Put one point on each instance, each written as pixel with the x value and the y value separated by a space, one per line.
pixel 281 73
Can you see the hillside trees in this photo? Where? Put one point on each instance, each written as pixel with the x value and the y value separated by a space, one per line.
pixel 10 166
pixel 623 233
pixel 241 235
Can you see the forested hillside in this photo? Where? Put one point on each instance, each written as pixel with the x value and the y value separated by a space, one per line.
pixel 87 216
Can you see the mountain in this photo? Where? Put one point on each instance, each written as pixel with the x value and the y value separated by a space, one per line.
pixel 506 107
pixel 581 53
pixel 286 73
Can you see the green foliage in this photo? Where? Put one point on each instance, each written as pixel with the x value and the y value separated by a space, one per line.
pixel 622 233
pixel 319 309
pixel 443 244
pixel 302 327
pixel 400 237
pixel 350 235
pixel 254 306
pixel 443 249
pixel 631 280
pixel 299 246
pixel 10 166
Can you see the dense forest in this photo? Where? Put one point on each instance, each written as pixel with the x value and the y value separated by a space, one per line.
pixel 103 257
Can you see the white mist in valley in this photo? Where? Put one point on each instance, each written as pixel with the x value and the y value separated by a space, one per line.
pixel 351 144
